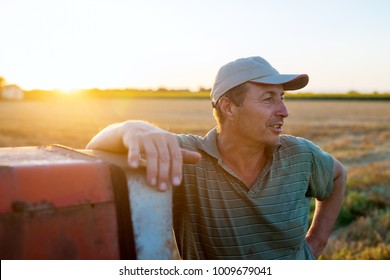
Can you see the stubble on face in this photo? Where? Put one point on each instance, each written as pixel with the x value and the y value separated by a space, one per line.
pixel 259 120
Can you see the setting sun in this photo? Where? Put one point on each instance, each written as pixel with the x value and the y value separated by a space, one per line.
pixel 69 91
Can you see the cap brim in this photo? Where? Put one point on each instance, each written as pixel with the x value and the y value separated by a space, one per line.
pixel 289 82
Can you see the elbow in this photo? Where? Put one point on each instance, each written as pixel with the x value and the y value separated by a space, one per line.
pixel 89 146
pixel 340 182
pixel 343 175
pixel 340 176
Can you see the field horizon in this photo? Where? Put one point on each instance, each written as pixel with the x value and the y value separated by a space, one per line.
pixel 131 93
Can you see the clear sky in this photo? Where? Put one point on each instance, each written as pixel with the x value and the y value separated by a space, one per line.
pixel 45 44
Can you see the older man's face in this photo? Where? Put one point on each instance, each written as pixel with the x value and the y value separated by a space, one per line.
pixel 260 118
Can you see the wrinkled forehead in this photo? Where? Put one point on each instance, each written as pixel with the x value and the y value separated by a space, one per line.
pixel 259 88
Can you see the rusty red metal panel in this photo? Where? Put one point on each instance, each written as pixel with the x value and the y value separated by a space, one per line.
pixel 82 232
pixel 56 203
pixel 56 184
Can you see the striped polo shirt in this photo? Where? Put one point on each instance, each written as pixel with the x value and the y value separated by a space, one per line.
pixel 215 216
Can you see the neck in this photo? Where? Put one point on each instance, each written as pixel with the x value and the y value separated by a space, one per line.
pixel 245 159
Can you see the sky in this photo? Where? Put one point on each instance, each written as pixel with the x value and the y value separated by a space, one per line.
pixel 343 45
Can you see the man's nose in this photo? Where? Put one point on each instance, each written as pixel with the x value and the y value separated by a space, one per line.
pixel 282 110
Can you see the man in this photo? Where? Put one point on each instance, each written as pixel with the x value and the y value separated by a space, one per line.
pixel 243 190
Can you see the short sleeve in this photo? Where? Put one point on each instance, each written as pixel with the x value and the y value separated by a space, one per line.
pixel 187 141
pixel 321 178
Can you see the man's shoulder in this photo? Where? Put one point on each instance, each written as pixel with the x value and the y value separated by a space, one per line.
pixel 298 145
pixel 189 140
pixel 289 142
pixel 293 140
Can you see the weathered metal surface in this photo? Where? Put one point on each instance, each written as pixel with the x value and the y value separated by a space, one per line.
pixel 82 232
pixel 36 175
pixel 56 203
pixel 55 206
pixel 152 219
pixel 151 212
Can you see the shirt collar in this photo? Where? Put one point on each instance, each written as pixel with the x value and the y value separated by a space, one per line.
pixel 209 145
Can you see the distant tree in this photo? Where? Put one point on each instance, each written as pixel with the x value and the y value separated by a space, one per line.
pixel 162 89
pixel 201 89
pixel 353 92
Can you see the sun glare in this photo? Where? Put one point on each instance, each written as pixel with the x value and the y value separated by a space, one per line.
pixel 68 91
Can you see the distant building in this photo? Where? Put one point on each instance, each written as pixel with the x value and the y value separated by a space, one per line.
pixel 12 92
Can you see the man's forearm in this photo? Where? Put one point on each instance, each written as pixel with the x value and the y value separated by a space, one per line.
pixel 326 212
pixel 109 139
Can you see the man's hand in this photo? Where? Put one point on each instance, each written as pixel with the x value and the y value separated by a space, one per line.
pixel 159 150
pixel 147 145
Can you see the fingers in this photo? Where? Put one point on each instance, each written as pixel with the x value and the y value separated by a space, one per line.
pixel 164 164
pixel 176 164
pixel 134 153
pixel 190 156
pixel 151 158
pixel 164 158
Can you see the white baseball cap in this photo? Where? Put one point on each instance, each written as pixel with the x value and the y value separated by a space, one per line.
pixel 254 69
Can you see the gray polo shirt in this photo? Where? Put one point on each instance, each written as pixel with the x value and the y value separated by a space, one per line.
pixel 217 217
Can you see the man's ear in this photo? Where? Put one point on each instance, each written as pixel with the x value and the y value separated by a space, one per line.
pixel 227 107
